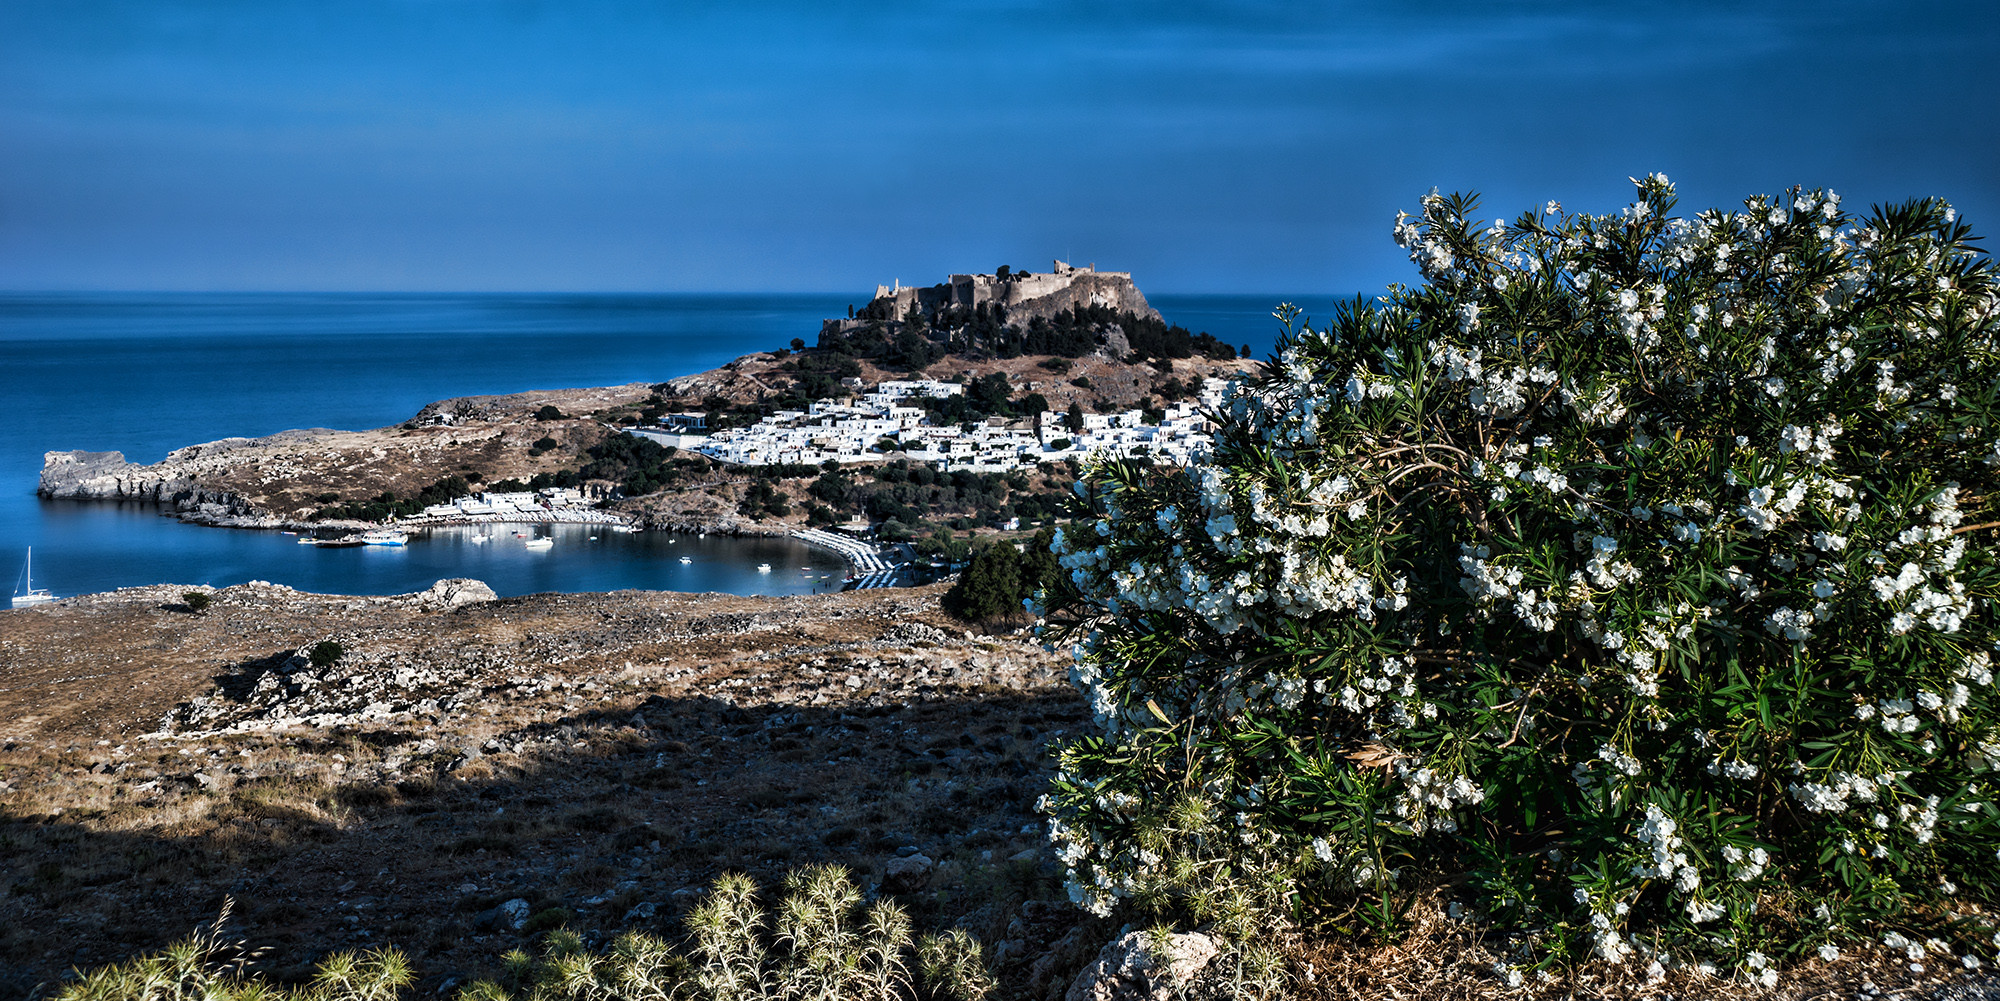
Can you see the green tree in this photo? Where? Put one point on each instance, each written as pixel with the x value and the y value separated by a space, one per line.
pixel 1002 577
pixel 988 588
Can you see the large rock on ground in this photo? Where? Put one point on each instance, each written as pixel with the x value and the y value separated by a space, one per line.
pixel 449 594
pixel 1127 968
pixel 907 874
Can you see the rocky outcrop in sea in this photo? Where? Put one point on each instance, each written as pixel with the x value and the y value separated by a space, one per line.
pixel 174 483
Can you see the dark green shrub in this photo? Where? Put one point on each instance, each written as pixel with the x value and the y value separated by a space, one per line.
pixel 1634 576
pixel 196 601
pixel 325 653
pixel 1001 578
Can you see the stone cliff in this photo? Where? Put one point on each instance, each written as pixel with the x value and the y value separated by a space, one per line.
pixel 280 480
pixel 176 483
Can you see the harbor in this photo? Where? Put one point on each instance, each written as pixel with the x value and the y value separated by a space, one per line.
pixel 106 546
pixel 874 566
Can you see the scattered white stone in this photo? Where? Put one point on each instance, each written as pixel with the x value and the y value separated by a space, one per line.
pixel 1126 969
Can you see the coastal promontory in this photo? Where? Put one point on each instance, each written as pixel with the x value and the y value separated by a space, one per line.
pixel 1068 343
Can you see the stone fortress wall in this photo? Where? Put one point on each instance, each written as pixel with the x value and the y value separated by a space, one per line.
pixel 1022 294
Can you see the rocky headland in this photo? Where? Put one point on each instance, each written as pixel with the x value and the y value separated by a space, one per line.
pixel 282 480
pixel 289 479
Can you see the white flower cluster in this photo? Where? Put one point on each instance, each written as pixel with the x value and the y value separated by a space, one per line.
pixel 1745 866
pixel 1429 797
pixel 1831 796
pixel 1667 861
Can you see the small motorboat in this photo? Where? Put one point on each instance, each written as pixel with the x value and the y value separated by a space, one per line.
pixel 763 568
pixel 687 559
pixel 542 543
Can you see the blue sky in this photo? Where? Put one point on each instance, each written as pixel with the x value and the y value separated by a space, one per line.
pixel 1258 147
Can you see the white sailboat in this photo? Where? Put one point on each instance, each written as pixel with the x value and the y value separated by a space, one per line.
pixel 29 595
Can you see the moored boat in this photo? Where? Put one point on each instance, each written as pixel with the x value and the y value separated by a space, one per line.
pixel 384 537
pixel 29 595
pixel 542 543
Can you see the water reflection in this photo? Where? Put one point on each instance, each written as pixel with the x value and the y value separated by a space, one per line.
pixel 107 546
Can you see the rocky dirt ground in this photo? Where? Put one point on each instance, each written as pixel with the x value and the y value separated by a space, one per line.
pixel 597 758
pixel 472 772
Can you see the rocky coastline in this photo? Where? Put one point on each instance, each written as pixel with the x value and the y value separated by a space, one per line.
pixel 174 487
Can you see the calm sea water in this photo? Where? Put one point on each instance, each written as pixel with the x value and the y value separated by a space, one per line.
pixel 147 373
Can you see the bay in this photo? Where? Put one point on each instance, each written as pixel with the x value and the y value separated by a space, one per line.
pixel 145 373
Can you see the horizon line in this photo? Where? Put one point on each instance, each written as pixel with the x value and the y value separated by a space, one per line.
pixel 591 292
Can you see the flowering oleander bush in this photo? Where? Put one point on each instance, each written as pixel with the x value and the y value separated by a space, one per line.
pixel 1632 577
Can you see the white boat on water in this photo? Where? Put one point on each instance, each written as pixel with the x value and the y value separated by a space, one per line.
pixel 687 559
pixel 384 537
pixel 763 568
pixel 29 595
pixel 480 539
pixel 623 529
pixel 542 543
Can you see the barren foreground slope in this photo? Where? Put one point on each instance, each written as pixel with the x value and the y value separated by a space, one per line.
pixel 471 772
pixel 604 755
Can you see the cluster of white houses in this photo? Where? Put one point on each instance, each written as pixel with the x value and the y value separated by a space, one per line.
pixel 558 504
pixel 886 423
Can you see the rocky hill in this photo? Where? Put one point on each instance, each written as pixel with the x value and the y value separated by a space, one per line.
pixel 1069 312
pixel 291 479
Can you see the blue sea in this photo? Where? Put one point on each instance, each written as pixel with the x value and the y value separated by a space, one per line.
pixel 145 373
